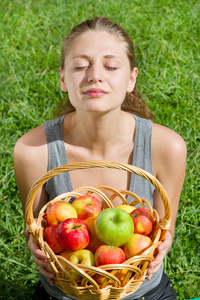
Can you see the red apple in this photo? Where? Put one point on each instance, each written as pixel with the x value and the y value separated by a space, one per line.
pixel 51 239
pixel 114 226
pixel 106 255
pixel 143 221
pixel 136 245
pixel 60 211
pixel 72 234
pixel 87 206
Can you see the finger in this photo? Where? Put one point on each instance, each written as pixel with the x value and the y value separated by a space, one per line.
pixel 162 251
pixel 164 246
pixel 149 277
pixel 35 250
pixel 153 270
pixel 41 260
pixel 157 261
pixel 27 233
pixel 159 258
pixel 167 242
pixel 40 254
pixel 51 281
pixel 41 263
pixel 46 273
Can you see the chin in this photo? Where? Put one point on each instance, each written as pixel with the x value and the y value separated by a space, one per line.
pixel 96 105
pixel 99 109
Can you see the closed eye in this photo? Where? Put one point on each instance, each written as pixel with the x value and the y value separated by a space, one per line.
pixel 111 68
pixel 81 68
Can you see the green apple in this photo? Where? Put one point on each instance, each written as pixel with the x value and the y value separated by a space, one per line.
pixel 114 226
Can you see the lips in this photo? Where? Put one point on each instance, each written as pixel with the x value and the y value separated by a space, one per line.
pixel 95 92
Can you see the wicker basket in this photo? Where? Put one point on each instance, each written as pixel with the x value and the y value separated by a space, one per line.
pixel 87 288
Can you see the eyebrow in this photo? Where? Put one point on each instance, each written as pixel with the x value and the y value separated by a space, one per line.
pixel 87 57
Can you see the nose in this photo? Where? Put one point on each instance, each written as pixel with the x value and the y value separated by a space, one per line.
pixel 94 74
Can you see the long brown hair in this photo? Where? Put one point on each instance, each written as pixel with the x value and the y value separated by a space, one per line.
pixel 133 101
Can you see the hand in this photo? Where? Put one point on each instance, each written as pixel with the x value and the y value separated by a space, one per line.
pixel 40 258
pixel 163 249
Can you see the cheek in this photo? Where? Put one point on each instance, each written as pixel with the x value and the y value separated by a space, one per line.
pixel 71 84
pixel 121 80
pixel 72 93
pixel 75 81
pixel 121 87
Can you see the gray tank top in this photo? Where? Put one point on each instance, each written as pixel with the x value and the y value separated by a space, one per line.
pixel 62 183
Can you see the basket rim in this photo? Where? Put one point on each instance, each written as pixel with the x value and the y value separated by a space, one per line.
pixel 29 219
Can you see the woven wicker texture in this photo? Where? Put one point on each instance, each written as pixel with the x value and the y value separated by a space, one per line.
pixel 134 269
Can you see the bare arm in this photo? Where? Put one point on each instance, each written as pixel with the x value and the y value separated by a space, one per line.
pixel 30 163
pixel 169 161
pixel 169 165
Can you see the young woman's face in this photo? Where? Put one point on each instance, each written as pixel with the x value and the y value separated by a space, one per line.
pixel 97 72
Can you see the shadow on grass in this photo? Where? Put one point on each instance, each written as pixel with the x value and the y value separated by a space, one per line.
pixel 10 291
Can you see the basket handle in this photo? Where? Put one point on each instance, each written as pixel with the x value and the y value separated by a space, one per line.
pixel 30 221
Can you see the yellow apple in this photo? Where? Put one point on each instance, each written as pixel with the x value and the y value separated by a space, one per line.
pixel 85 257
pixel 136 245
pixel 126 207
pixel 60 211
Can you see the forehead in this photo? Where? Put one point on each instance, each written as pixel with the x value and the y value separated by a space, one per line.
pixel 97 43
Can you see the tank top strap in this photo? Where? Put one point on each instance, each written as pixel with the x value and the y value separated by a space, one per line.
pixel 142 159
pixel 56 157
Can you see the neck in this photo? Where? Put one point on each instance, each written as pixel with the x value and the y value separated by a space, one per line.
pixel 97 131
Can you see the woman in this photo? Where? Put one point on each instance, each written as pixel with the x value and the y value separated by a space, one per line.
pixel 105 119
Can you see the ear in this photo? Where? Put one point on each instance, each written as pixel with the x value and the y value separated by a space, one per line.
pixel 62 80
pixel 132 81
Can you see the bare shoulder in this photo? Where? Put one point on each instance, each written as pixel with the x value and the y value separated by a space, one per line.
pixel 34 136
pixel 165 137
pixel 30 152
pixel 33 142
pixel 168 147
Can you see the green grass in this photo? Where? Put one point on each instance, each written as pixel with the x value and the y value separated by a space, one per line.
pixel 166 36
